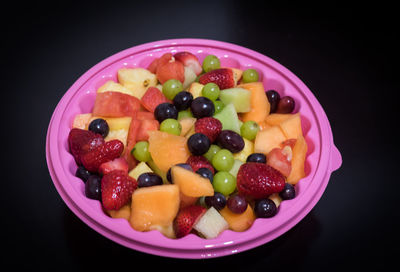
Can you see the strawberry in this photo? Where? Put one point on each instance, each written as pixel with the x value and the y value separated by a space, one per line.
pixel 116 164
pixel 223 77
pixel 81 141
pixel 186 219
pixel 209 126
pixel 189 60
pixel 259 180
pixel 197 162
pixel 116 189
pixel 106 152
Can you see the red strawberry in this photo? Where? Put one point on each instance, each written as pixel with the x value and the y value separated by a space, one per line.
pixel 189 60
pixel 223 77
pixel 116 189
pixel 116 164
pixel 106 152
pixel 197 162
pixel 209 126
pixel 186 219
pixel 259 180
pixel 81 141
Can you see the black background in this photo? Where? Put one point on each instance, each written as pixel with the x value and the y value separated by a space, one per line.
pixel 345 53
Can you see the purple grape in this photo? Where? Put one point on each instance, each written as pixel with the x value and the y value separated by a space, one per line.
pixel 237 204
pixel 231 140
pixel 218 201
pixel 273 98
pixel 265 208
pixel 285 105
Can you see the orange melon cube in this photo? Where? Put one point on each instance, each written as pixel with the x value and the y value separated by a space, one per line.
pixel 291 127
pixel 186 123
pixel 186 200
pixel 167 149
pixel 124 212
pixel 82 120
pixel 239 222
pixel 263 125
pixel 260 106
pixel 298 160
pixel 190 183
pixel 275 119
pixel 155 207
pixel 268 139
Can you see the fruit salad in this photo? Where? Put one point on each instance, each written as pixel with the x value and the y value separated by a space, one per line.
pixel 184 146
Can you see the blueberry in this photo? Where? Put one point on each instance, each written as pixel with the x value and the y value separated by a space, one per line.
pixel 265 208
pixel 288 192
pixel 183 100
pixel 93 187
pixel 149 179
pixel 183 165
pixel 165 111
pixel 82 173
pixel 99 126
pixel 202 107
pixel 198 144
pixel 257 157
pixel 205 173
pixel 218 201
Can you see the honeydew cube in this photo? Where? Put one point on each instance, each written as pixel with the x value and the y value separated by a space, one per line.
pixel 235 168
pixel 211 224
pixel 239 97
pixel 229 118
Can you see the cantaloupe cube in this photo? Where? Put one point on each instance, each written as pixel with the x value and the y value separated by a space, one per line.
pixel 239 222
pixel 186 200
pixel 298 160
pixel 260 106
pixel 268 139
pixel 263 125
pixel 275 119
pixel 124 212
pixel 155 207
pixel 112 86
pixel 141 168
pixel 190 183
pixel 291 127
pixel 81 120
pixel 187 123
pixel 167 149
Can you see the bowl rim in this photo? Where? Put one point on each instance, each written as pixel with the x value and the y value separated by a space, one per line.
pixel 214 247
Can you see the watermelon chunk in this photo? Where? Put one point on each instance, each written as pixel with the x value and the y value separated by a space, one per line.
pixel 115 104
pixel 146 126
pixel 152 98
pixel 145 115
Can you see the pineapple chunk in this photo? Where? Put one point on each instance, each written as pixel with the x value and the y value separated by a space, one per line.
pixel 141 168
pixel 119 128
pixel 82 120
pixel 195 89
pixel 190 77
pixel 246 151
pixel 211 224
pixel 137 80
pixel 111 86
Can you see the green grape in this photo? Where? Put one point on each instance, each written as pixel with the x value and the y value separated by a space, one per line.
pixel 171 88
pixel 249 130
pixel 223 160
pixel 141 151
pixel 211 152
pixel 171 126
pixel 184 113
pixel 218 105
pixel 250 75
pixel 224 183
pixel 210 63
pixel 211 91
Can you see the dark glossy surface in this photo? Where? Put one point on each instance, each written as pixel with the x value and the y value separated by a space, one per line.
pixel 345 53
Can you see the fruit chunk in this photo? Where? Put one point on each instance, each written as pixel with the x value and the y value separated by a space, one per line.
pixel 116 189
pixel 118 128
pixel 155 207
pixel 246 151
pixel 239 222
pixel 187 123
pixel 298 161
pixel 190 77
pixel 141 168
pixel 189 60
pixel 124 212
pixel 108 151
pixel 152 98
pixel 137 80
pixel 259 102
pixel 229 118
pixel 169 68
pixel 223 77
pixel 82 120
pixel 195 89
pixel 239 97
pixel 145 127
pixel 112 86
pixel 235 168
pixel 211 224
pixel 167 149
pixel 186 218
pixel 116 164
pixel 291 127
pixel 268 139
pixel 190 183
pixel 115 104
pixel 186 200
pixel 259 180
pixel 278 160
pixel 275 119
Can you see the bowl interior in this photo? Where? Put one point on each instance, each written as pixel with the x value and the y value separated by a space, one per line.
pixel 81 97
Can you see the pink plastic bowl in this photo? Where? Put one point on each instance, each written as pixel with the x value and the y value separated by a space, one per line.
pixel 322 159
